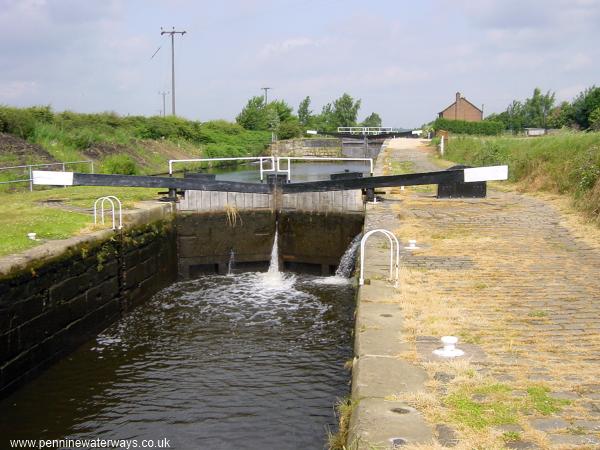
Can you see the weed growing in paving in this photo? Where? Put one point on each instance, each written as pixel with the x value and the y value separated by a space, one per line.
pixel 511 436
pixel 496 408
pixel 543 403
pixel 480 407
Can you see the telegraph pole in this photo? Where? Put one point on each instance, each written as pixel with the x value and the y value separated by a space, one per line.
pixel 172 33
pixel 266 97
pixel 164 94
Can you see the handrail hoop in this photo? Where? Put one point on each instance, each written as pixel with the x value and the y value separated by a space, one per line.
pixel 394 267
pixel 108 198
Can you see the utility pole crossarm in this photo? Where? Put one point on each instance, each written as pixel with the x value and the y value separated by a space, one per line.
pixel 172 33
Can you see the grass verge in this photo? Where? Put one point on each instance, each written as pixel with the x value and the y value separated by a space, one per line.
pixel 54 213
pixel 568 163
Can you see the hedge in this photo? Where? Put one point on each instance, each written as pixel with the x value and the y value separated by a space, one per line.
pixel 488 128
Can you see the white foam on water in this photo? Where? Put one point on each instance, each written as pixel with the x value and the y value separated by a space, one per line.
pixel 273 279
pixel 346 266
pixel 334 280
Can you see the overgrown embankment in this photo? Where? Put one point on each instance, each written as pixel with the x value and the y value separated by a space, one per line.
pixel 129 145
pixel 126 145
pixel 566 164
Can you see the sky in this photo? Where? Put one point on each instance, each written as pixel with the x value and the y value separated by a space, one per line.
pixel 404 59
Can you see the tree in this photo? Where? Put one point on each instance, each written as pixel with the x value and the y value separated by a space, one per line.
pixel 516 116
pixel 283 110
pixel 252 116
pixel 273 120
pixel 304 112
pixel 499 117
pixel 373 120
pixel 594 119
pixel 325 121
pixel 537 108
pixel 345 111
pixel 559 117
pixel 583 105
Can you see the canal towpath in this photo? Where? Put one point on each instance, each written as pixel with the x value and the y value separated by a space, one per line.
pixel 516 281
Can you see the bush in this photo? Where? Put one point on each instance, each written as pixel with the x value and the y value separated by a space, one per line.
pixel 223 126
pixel 289 129
pixel 486 128
pixel 119 164
pixel 20 122
pixel 223 151
pixel 83 138
pixel 42 114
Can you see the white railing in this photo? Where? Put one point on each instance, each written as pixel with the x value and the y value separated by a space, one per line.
pixel 394 265
pixel 288 167
pixel 367 130
pixel 109 199
pixel 29 169
pixel 261 160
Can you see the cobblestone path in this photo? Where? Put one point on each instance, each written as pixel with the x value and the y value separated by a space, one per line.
pixel 522 292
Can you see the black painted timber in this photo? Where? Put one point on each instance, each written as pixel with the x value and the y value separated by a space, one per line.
pixel 411 179
pixel 199 184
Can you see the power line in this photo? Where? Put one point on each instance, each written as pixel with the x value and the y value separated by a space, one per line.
pixel 172 33
pixel 154 54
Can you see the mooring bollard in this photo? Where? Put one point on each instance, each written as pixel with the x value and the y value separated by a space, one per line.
pixel 449 350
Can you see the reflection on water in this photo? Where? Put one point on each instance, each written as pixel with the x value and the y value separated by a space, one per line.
pixel 301 171
pixel 221 362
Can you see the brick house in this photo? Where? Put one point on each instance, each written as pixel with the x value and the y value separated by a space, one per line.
pixel 462 109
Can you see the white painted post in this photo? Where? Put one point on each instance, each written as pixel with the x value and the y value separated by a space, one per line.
pixel 442 146
pixel 261 170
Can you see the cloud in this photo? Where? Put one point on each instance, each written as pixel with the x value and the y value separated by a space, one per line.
pixel 404 60
pixel 16 89
pixel 277 49
pixel 577 61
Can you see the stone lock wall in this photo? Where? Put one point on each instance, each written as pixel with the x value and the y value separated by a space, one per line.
pixel 49 308
pixel 331 147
